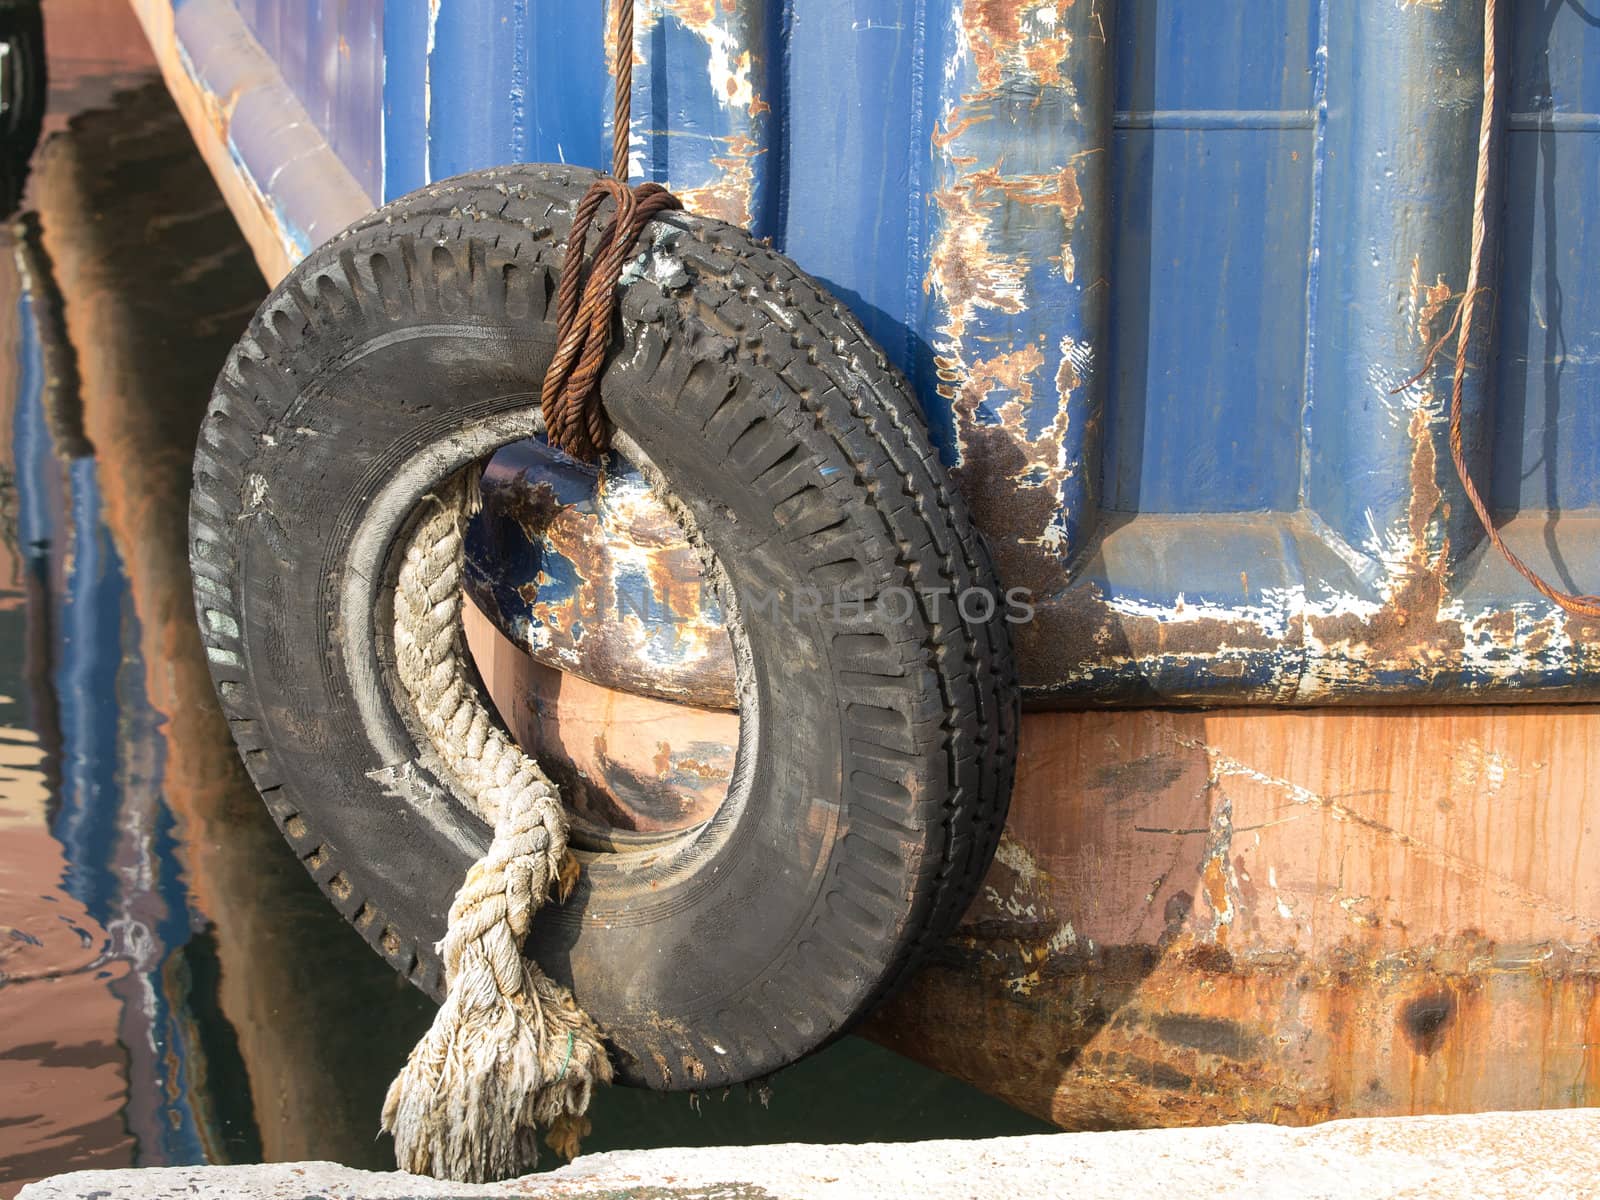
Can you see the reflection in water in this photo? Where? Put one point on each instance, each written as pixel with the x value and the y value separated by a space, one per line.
pixel 173 988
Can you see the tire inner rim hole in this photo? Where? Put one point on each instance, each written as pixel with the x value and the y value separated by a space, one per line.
pixel 602 644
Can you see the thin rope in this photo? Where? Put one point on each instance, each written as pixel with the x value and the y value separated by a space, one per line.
pixel 574 420
pixel 622 104
pixel 510 1052
pixel 1461 327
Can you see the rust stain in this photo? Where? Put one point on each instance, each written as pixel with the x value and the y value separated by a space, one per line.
pixel 696 14
pixel 726 29
pixel 1017 41
pixel 1469 873
pixel 968 268
pixel 987 269
pixel 669 769
pixel 1333 645
pixel 1399 939
pixel 701 768
pixel 597 630
pixel 1427 302
pixel 995 228
pixel 1417 629
pixel 1268 915
pixel 1217 877
pixel 955 126
pixel 531 503
pixel 1007 473
pixel 1141 1036
pixel 728 197
pixel 964 269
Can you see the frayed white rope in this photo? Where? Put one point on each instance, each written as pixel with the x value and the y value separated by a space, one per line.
pixel 510 1051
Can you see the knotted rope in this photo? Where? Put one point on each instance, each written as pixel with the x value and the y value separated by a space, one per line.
pixel 573 420
pixel 1461 329
pixel 510 1051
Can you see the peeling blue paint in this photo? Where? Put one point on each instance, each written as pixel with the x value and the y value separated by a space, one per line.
pixel 1153 274
pixel 539 508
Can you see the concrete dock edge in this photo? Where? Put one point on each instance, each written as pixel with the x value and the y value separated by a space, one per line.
pixel 1485 1156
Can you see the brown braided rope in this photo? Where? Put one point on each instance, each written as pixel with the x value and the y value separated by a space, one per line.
pixel 1461 329
pixel 574 421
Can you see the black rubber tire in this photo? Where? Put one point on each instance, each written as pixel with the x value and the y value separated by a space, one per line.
pixel 884 748
pixel 22 28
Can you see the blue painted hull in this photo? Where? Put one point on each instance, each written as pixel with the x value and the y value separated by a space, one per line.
pixel 1153 270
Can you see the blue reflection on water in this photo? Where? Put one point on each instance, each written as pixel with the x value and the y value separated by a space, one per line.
pixel 108 811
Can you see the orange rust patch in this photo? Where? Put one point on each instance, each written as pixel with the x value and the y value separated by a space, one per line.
pixel 1031 467
pixel 958 123
pixel 963 267
pixel 696 14
pixel 1219 895
pixel 1068 197
pixel 630 782
pixel 1012 371
pixel 971 273
pixel 701 18
pixel 1428 301
pixel 700 769
pixel 728 198
pixel 1012 40
pixel 1406 938
pixel 1057 188
pixel 1425 491
pixel 598 633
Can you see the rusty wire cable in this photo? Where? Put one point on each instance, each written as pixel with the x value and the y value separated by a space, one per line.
pixel 569 399
pixel 1461 328
pixel 622 103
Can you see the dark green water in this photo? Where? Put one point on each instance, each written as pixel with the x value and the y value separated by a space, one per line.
pixel 173 988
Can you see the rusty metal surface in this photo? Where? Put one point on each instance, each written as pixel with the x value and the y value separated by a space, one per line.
pixel 582 568
pixel 623 762
pixel 1198 468
pixel 1286 917
pixel 1238 915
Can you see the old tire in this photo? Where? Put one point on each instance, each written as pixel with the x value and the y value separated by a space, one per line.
pixel 876 752
pixel 23 94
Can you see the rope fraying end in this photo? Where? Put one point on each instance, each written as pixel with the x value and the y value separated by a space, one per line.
pixel 510 1052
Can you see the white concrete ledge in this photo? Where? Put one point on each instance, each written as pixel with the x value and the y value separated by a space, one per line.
pixel 1485 1157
